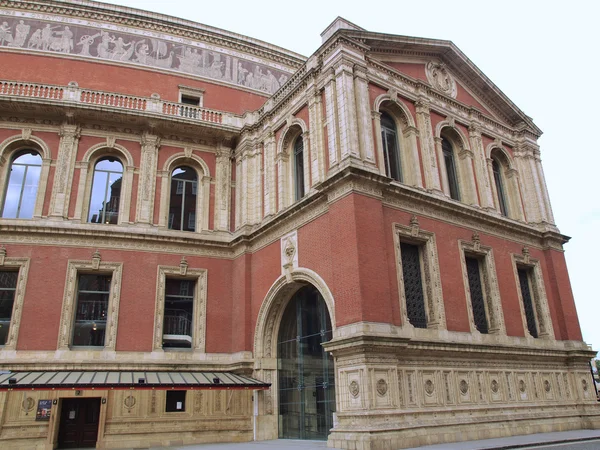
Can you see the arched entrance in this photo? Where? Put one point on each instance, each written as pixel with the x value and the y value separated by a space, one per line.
pixel 306 377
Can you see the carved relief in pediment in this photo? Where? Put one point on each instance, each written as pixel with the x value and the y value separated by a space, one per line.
pixel 440 78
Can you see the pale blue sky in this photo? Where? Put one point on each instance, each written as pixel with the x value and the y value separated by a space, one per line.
pixel 541 54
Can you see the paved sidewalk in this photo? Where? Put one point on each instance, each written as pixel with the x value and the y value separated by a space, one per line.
pixel 513 442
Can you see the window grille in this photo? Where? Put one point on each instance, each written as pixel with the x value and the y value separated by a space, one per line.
pixel 413 284
pixel 524 282
pixel 477 299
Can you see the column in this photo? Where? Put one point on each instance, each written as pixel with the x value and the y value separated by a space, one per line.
pixel 428 147
pixel 269 175
pixel 533 202
pixel 147 179
pixel 63 175
pixel 363 111
pixel 346 109
pixel 317 152
pixel 222 189
pixel 481 166
pixel 332 123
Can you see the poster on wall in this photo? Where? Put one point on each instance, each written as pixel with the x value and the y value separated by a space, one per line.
pixel 43 410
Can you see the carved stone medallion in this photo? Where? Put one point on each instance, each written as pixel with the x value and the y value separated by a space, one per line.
pixel 584 385
pixel 546 385
pixel 440 78
pixel 382 387
pixel 522 386
pixel 354 389
pixel 463 386
pixel 28 404
pixel 494 386
pixel 129 401
pixel 429 387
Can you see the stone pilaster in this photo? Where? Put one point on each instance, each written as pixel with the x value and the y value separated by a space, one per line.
pixel 481 170
pixel 147 179
pixel 363 110
pixel 331 121
pixel 549 217
pixel 270 194
pixel 223 189
pixel 428 148
pixel 65 166
pixel 317 152
pixel 282 180
pixel 467 177
pixel 525 160
pixel 346 108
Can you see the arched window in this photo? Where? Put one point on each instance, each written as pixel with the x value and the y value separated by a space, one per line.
pixel 298 168
pixel 106 191
pixel 391 153
pixel 497 169
pixel 182 203
pixel 448 152
pixel 22 187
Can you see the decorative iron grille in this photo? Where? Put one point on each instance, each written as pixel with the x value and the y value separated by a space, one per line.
pixel 527 301
pixel 477 300
pixel 413 285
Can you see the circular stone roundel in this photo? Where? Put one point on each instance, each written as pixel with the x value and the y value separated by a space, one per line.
pixel 28 404
pixel 522 386
pixel 439 77
pixel 129 401
pixel 584 384
pixel 463 386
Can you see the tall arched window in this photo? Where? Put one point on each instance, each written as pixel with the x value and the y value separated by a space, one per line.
pixel 499 182
pixel 182 203
pixel 22 187
pixel 106 191
pixel 448 152
pixel 298 168
pixel 391 153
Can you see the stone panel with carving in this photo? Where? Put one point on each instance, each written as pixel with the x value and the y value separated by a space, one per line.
pixel 47 33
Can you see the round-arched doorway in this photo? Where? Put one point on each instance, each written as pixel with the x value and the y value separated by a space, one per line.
pixel 305 370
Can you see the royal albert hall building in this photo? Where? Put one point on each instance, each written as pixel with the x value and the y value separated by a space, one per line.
pixel 205 237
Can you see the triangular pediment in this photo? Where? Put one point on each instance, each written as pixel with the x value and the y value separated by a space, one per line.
pixel 441 65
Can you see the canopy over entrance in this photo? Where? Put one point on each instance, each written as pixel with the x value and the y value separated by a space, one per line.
pixel 92 379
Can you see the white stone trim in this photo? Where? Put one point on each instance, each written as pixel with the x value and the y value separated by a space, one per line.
pixel 199 276
pixel 186 158
pixel 86 176
pixel 8 148
pixel 22 266
pixel 430 272
pixel 489 284
pixel 406 132
pixel 67 314
pixel 541 310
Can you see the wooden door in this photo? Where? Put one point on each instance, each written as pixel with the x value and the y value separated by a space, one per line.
pixel 79 423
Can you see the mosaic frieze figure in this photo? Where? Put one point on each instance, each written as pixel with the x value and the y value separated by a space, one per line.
pixel 91 41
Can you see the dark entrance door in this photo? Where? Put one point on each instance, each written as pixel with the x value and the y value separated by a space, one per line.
pixel 306 375
pixel 79 419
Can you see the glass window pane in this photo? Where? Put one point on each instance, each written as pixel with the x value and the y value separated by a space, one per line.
pixel 106 192
pixel 179 310
pixel 13 192
pixel 93 293
pixel 29 194
pixel 8 284
pixel 99 182
pixel 182 204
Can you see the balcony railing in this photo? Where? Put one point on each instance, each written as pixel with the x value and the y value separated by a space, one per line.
pixel 72 93
pixel 177 326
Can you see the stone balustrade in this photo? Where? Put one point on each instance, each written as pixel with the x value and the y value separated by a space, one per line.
pixel 72 93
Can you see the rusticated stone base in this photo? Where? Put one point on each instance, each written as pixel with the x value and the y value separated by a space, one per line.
pixel 401 388
pixel 483 428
